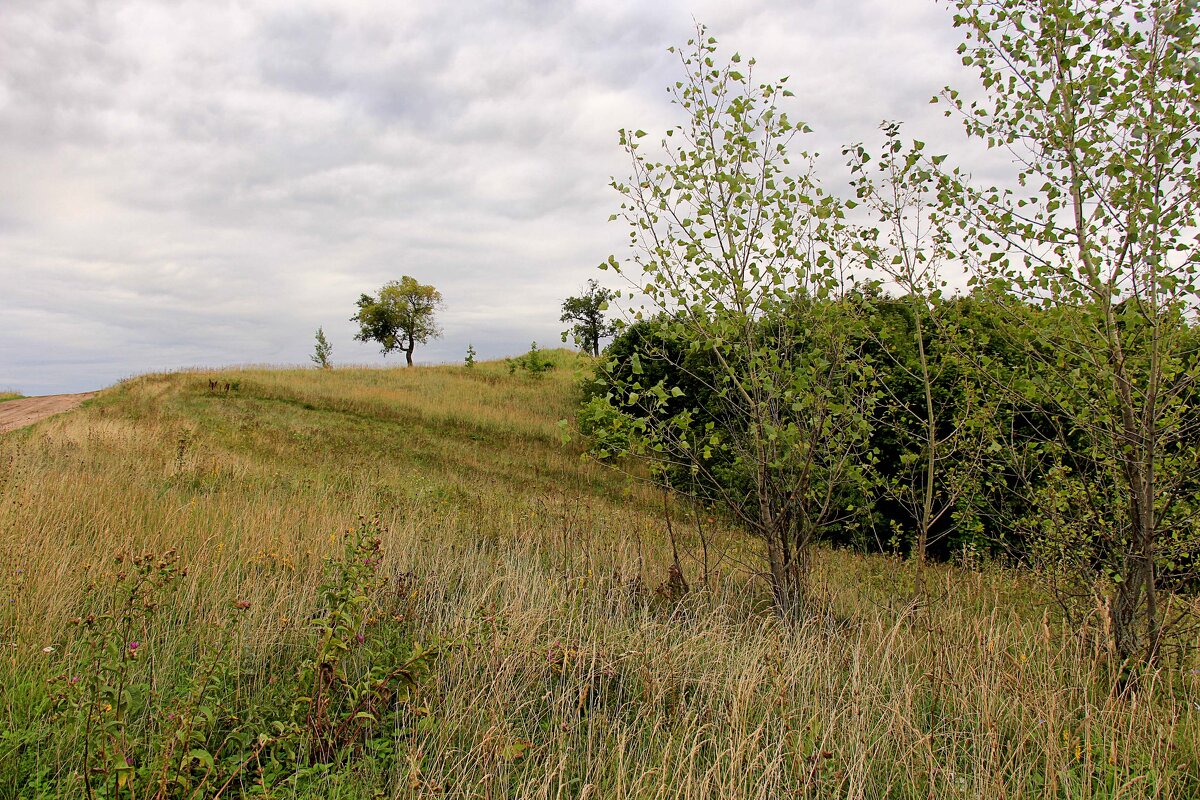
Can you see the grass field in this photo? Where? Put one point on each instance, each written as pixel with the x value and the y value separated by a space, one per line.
pixel 10 396
pixel 565 667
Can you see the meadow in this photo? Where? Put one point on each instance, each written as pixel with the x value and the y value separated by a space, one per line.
pixel 564 661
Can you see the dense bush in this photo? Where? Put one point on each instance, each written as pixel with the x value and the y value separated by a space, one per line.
pixel 1026 459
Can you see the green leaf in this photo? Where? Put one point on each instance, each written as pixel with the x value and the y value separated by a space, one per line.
pixel 514 750
pixel 204 757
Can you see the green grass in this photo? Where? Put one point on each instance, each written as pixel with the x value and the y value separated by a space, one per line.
pixel 10 396
pixel 563 672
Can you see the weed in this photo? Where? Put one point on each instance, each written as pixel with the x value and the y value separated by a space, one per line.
pixel 340 711
pixel 211 731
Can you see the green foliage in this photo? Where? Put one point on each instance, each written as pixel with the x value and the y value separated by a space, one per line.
pixel 1099 101
pixel 322 350
pixel 352 688
pixel 111 690
pixel 136 733
pixel 400 317
pixel 610 430
pixel 469 361
pixel 874 515
pixel 534 363
pixel 727 232
pixel 587 312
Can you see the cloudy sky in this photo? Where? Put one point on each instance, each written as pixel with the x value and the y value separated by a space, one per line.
pixel 195 183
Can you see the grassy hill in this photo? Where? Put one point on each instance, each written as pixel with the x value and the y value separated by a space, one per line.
pixel 566 666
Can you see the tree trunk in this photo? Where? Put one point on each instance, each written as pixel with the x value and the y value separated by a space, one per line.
pixel 1124 613
pixel 409 351
pixel 789 564
pixel 1134 609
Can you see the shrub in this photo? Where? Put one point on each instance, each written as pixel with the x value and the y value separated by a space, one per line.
pixel 534 363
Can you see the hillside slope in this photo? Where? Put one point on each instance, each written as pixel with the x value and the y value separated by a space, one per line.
pixel 568 667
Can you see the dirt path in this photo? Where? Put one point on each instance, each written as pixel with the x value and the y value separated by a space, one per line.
pixel 19 413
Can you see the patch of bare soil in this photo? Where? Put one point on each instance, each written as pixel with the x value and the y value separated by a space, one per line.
pixel 19 413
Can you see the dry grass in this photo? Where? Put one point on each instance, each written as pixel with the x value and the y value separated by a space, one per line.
pixel 564 674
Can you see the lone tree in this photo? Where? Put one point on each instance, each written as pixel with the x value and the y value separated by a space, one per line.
pixel 400 318
pixel 587 312
pixel 322 350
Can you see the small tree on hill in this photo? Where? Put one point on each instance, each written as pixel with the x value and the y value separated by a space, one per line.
pixel 322 351
pixel 400 317
pixel 587 312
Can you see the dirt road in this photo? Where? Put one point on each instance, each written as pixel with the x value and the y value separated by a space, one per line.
pixel 19 413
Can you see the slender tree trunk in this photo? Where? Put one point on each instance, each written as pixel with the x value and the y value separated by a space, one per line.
pixel 1123 615
pixel 409 351
pixel 788 560
pixel 677 577
pixel 926 521
pixel 779 561
pixel 1135 600
pixel 801 567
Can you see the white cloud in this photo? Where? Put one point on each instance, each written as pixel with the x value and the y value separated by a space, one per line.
pixel 195 182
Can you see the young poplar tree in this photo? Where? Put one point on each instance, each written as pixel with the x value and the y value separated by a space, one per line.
pixel 940 437
pixel 322 350
pixel 734 250
pixel 1098 101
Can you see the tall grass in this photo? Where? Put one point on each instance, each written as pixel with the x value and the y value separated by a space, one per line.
pixel 563 673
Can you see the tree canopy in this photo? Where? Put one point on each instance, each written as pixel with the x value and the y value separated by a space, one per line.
pixel 400 317
pixel 587 312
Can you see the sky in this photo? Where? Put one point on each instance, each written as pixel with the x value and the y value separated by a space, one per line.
pixel 201 184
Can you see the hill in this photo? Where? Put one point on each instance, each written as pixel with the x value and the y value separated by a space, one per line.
pixel 181 548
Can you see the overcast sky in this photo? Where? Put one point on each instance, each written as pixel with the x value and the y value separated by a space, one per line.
pixel 204 183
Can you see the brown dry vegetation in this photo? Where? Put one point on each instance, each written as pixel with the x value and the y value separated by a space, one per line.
pixel 563 673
